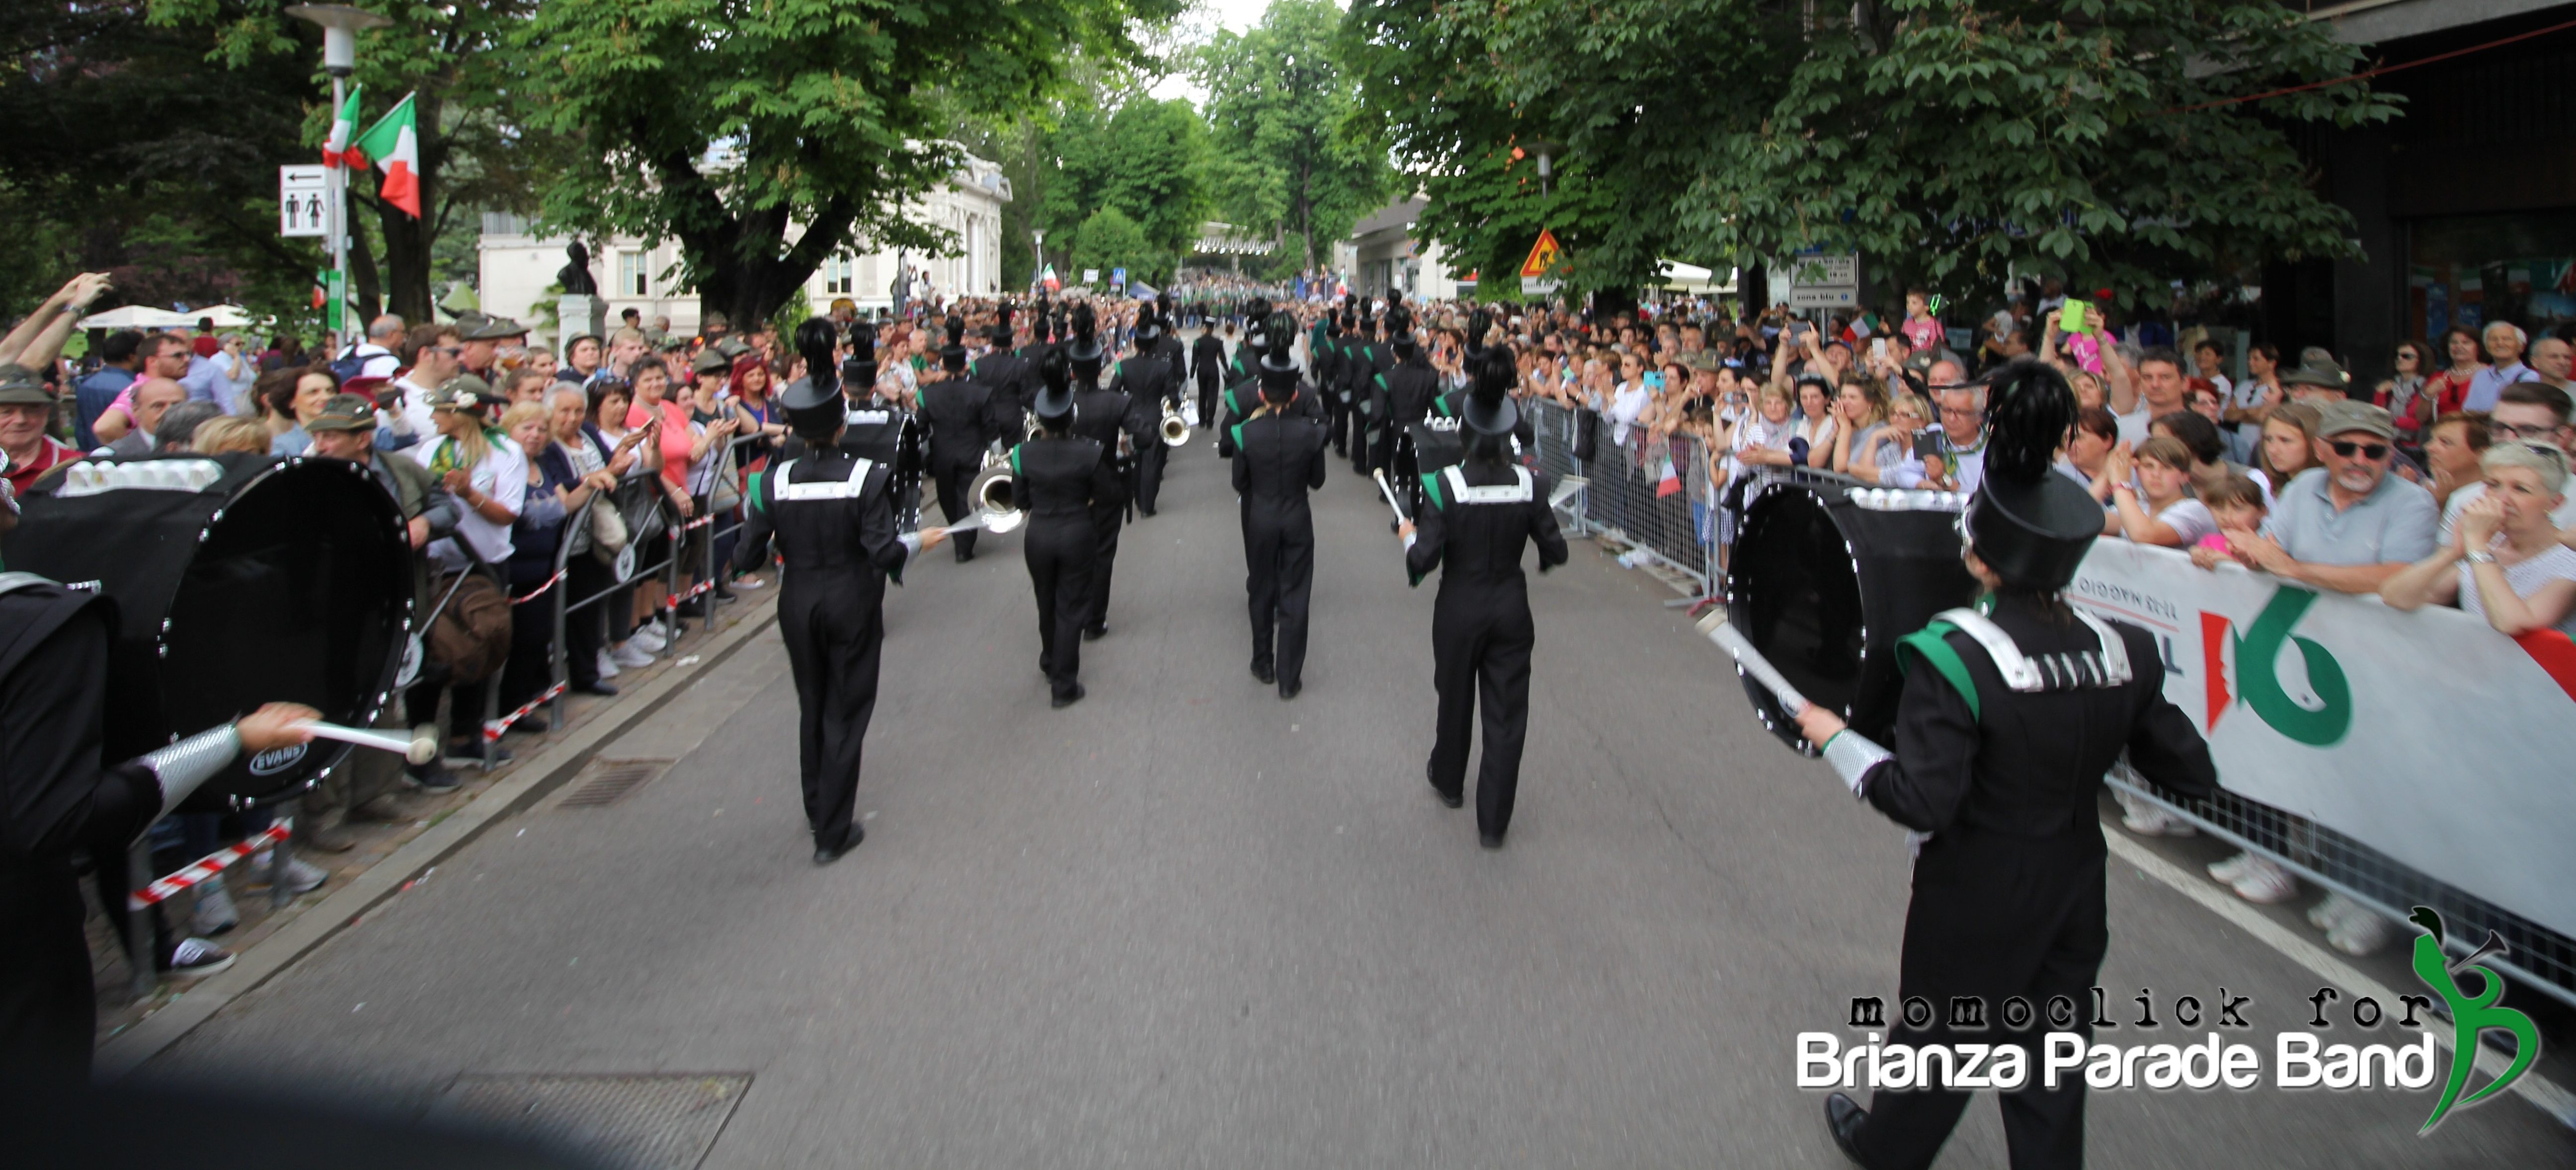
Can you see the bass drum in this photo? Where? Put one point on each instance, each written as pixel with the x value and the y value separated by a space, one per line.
pixel 238 580
pixel 1826 576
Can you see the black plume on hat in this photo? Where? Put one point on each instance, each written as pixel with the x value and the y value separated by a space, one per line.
pixel 813 402
pixel 1002 324
pixel 1086 342
pixel 1054 400
pixel 952 357
pixel 2027 522
pixel 1478 324
pixel 1490 409
pixel 1280 356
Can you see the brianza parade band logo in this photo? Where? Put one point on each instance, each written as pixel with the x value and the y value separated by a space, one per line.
pixel 2301 1059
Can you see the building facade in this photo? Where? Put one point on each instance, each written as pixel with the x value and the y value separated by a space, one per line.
pixel 1386 258
pixel 518 267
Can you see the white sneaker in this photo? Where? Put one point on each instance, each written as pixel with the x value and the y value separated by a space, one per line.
pixel 647 641
pixel 2140 817
pixel 300 877
pixel 196 958
pixel 2360 933
pixel 607 665
pixel 2226 872
pixel 749 583
pixel 215 913
pixel 2265 883
pixel 2331 912
pixel 630 655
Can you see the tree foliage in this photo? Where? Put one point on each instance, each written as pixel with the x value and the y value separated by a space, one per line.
pixel 721 123
pixel 1110 240
pixel 1292 152
pixel 1951 140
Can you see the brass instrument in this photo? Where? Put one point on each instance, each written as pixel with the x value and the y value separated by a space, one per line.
pixel 995 492
pixel 1176 430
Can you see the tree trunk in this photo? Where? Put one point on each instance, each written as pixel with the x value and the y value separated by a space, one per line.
pixel 407 239
pixel 363 277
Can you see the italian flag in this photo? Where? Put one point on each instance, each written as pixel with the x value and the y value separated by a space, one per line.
pixel 394 142
pixel 335 150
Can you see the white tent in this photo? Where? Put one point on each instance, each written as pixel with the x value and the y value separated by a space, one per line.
pixel 225 316
pixel 1691 278
pixel 136 317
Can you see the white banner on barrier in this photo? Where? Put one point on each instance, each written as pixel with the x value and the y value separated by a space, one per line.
pixel 2428 736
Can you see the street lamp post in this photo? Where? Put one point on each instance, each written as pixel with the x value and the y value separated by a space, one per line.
pixel 1037 237
pixel 340 24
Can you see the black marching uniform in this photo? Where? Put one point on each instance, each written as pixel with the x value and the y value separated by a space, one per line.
pixel 833 516
pixel 1012 382
pixel 1411 392
pixel 1481 631
pixel 1149 384
pixel 1062 482
pixel 1278 458
pixel 963 420
pixel 2008 719
pixel 1102 416
pixel 1207 368
pixel 1363 374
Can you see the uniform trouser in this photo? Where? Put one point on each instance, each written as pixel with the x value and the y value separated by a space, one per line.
pixel 1207 399
pixel 48 1010
pixel 1406 471
pixel 1337 422
pixel 1106 519
pixel 1149 473
pixel 1996 916
pixel 1060 550
pixel 830 620
pixel 1362 437
pixel 1279 574
pixel 955 501
pixel 1480 657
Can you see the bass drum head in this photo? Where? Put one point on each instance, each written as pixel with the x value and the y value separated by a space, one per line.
pixel 1824 589
pixel 1792 591
pixel 300 592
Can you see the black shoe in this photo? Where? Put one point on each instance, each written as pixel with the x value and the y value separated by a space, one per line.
pixel 1491 840
pixel 1288 688
pixel 1264 673
pixel 827 854
pixel 1452 799
pixel 964 554
pixel 693 607
pixel 1843 1118
pixel 726 597
pixel 1063 701
pixel 596 688
pixel 430 778
pixel 1095 633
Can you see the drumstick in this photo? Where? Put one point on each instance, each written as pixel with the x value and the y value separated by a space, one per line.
pixel 1389 491
pixel 420 747
pixel 1756 667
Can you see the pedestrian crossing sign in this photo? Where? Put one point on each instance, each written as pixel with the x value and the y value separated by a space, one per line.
pixel 1543 254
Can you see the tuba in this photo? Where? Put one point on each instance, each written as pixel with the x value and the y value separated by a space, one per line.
pixel 996 495
pixel 1176 429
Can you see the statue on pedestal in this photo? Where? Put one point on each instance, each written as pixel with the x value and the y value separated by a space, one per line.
pixel 575 277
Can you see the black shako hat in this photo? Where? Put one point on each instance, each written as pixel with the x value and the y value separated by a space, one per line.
pixel 1001 331
pixel 952 357
pixel 1085 349
pixel 1399 332
pixel 813 402
pixel 1490 409
pixel 1054 400
pixel 1148 325
pixel 2027 522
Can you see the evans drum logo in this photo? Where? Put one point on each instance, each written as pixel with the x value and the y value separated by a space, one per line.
pixel 276 760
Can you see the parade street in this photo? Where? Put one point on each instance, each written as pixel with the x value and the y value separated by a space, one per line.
pixel 1185 923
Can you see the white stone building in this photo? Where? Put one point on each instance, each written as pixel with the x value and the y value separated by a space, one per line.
pixel 518 267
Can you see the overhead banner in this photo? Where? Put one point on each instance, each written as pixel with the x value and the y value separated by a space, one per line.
pixel 2427 735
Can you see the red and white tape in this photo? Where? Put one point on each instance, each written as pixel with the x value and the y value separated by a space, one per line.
pixel 700 522
pixel 207 866
pixel 540 590
pixel 673 601
pixel 492 729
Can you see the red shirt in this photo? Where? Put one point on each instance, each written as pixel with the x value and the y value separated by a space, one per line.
pixel 675 438
pixel 52 454
pixel 206 346
pixel 2448 392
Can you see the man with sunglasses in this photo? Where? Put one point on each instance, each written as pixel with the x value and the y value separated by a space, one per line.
pixel 2347 524
pixel 2535 411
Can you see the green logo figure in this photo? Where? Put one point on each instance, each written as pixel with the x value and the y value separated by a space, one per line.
pixel 2470 1016
pixel 2256 655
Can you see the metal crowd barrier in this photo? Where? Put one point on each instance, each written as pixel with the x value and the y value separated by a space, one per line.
pixel 1621 500
pixel 2541 959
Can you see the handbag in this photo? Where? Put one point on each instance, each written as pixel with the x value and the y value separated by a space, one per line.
pixel 1587 432
pixel 607 531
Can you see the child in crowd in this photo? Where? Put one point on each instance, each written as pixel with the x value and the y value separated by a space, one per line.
pixel 2236 503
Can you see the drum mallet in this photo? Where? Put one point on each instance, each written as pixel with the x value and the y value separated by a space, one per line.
pixel 420 747
pixel 1755 666
pixel 1389 491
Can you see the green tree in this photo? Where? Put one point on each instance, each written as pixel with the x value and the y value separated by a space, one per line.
pixel 725 124
pixel 1950 140
pixel 1291 153
pixel 1109 239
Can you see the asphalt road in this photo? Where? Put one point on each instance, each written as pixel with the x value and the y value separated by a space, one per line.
pixel 1186 924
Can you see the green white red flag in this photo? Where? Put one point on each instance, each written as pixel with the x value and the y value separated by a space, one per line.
pixel 344 125
pixel 394 143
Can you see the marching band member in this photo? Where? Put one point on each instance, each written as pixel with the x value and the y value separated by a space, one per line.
pixel 1478 516
pixel 1062 479
pixel 962 418
pixel 832 513
pixel 2000 762
pixel 1109 418
pixel 1409 390
pixel 1150 384
pixel 1278 458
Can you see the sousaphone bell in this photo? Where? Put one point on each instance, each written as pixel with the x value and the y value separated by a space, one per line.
pixel 996 495
pixel 1176 429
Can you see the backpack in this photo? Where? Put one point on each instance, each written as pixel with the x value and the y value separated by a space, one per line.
pixel 348 365
pixel 471 635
